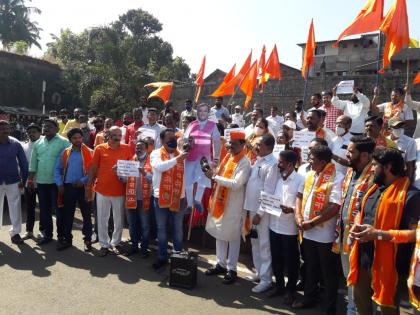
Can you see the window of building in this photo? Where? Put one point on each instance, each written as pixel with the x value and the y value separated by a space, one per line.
pixel 344 45
pixel 320 50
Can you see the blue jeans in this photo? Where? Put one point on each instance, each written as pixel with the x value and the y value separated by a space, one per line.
pixel 176 220
pixel 351 307
pixel 139 218
pixel 47 195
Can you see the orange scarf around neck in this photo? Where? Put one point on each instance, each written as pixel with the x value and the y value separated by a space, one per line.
pixel 131 188
pixel 220 193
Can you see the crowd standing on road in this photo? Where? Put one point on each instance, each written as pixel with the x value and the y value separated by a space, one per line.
pixel 348 203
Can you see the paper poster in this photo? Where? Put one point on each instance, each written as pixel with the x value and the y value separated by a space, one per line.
pixel 277 149
pixel 303 138
pixel 227 132
pixel 144 133
pixel 345 87
pixel 128 168
pixel 270 204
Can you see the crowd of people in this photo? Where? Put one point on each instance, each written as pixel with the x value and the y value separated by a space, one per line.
pixel 348 202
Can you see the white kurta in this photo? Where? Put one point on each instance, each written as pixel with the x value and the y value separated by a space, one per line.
pixel 228 227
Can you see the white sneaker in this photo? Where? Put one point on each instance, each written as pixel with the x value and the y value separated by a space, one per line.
pixel 254 277
pixel 261 287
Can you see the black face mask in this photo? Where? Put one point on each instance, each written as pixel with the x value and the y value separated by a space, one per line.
pixel 172 144
pixel 354 99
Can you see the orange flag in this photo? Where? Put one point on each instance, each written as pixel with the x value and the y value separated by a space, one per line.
pixel 417 79
pixel 261 68
pixel 245 68
pixel 226 87
pixel 395 28
pixel 249 82
pixel 368 20
pixel 308 58
pixel 200 79
pixel 163 90
pixel 272 67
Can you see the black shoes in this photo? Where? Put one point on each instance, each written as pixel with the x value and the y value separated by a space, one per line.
pixel 214 271
pixel 87 246
pixel 16 239
pixel 159 264
pixel 44 240
pixel 63 244
pixel 230 277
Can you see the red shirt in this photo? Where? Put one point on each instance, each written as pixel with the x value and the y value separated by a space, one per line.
pixel 332 114
pixel 130 135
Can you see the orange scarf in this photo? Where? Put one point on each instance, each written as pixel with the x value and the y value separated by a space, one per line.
pixel 320 133
pixel 171 183
pixel 392 111
pixel 322 190
pixel 131 188
pixel 86 159
pixel 250 153
pixel 387 217
pixel 415 300
pixel 220 194
pixel 362 184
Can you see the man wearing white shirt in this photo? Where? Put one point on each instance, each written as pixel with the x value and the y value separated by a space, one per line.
pixel 416 182
pixel 340 143
pixel 218 110
pixel 189 111
pixel 316 216
pixel 153 125
pixel 145 112
pixel 262 171
pixel 237 117
pixel 300 115
pixel 255 115
pixel 413 105
pixel 406 145
pixel 356 108
pixel 34 133
pixel 283 229
pixel 314 122
pixel 275 121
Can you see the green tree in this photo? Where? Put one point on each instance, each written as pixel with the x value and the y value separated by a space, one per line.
pixel 106 67
pixel 16 25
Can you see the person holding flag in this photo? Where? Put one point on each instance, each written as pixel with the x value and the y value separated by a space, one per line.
pixel 224 221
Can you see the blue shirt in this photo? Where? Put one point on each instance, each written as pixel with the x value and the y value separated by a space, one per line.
pixel 74 172
pixel 12 162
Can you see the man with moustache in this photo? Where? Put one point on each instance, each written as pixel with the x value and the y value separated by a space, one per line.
pixel 314 122
pixel 330 110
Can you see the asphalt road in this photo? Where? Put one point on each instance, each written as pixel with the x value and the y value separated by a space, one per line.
pixel 41 280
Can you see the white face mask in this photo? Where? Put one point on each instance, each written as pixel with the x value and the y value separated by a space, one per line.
pixel 397 133
pixel 340 131
pixel 258 131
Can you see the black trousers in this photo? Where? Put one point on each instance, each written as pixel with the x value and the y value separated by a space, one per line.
pixel 65 216
pixel 320 259
pixel 285 259
pixel 30 204
pixel 47 194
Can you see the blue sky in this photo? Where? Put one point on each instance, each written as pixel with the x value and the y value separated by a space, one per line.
pixel 223 30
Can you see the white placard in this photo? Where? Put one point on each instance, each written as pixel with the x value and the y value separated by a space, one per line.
pixel 305 154
pixel 277 149
pixel 143 133
pixel 303 138
pixel 227 132
pixel 345 87
pixel 270 204
pixel 128 168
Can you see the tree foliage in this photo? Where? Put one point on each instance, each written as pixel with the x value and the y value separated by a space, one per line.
pixel 16 25
pixel 106 67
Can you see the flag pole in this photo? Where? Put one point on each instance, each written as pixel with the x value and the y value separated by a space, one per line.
pixel 378 60
pixel 408 67
pixel 306 86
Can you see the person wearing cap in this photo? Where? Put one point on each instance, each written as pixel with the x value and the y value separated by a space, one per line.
pixel 13 175
pixel 341 142
pixel 406 145
pixel 34 133
pixel 237 117
pixel 189 111
pixel 225 221
pixel 289 127
pixel 356 108
pixel 152 117
pixel 41 170
pixel 275 121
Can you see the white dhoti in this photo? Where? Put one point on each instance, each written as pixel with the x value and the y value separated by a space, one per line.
pixel 194 174
pixel 261 254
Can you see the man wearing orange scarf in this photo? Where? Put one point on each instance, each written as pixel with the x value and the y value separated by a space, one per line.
pixel 379 262
pixel 317 206
pixel 70 176
pixel 224 221
pixel 168 192
pixel 314 122
pixel 373 129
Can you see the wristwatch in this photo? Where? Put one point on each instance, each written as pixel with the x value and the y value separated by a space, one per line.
pixel 379 235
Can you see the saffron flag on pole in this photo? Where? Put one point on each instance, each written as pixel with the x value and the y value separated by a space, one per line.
pixel 308 57
pixel 244 70
pixel 272 67
pixel 227 87
pixel 395 28
pixel 249 82
pixel 417 79
pixel 368 20
pixel 200 79
pixel 163 90
pixel 261 68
